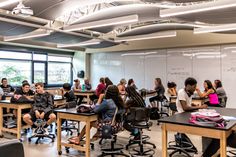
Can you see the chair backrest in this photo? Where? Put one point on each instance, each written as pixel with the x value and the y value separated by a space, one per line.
pixel 11 149
pixel 223 101
pixel 140 114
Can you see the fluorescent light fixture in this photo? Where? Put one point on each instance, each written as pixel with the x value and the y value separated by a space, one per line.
pixel 219 28
pixel 102 23
pixel 200 7
pixel 85 43
pixel 7 2
pixel 164 34
pixel 227 48
pixel 138 54
pixel 34 34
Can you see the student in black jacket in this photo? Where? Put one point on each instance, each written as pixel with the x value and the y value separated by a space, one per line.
pixel 42 107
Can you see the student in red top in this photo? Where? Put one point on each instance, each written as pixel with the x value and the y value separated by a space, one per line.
pixel 100 89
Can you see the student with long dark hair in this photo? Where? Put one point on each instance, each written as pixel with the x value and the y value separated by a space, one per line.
pixel 105 110
pixel 160 90
pixel 132 83
pixel 108 82
pixel 220 92
pixel 209 93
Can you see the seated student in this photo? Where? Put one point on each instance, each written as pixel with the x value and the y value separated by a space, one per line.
pixel 209 94
pixel 42 108
pixel 108 82
pixel 121 86
pixel 171 91
pixel 23 91
pixel 1 93
pixel 87 84
pixel 160 90
pixel 106 111
pixel 135 100
pixel 184 100
pixel 220 92
pixel 6 87
pixel 69 94
pixel 131 83
pixel 215 145
pixel 77 88
pixel 101 87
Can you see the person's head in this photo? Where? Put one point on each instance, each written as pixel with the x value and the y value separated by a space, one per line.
pixel 171 85
pixel 77 82
pixel 102 80
pixel 207 85
pixel 123 82
pixel 112 92
pixel 217 84
pixel 190 85
pixel 86 81
pixel 108 81
pixel 26 87
pixel 25 81
pixel 158 82
pixel 130 82
pixel 4 81
pixel 66 86
pixel 39 87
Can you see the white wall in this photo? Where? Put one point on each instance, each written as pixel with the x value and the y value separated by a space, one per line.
pixel 213 62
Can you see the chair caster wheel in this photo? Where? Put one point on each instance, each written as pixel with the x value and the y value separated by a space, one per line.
pixel 37 142
pixel 1 136
pixel 52 140
pixel 59 152
pixel 92 146
pixel 126 147
pixel 29 140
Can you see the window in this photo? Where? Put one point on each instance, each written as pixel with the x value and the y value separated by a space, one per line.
pixel 59 73
pixel 35 67
pixel 15 71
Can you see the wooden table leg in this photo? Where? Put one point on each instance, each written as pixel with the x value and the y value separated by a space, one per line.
pixel 164 140
pixel 88 99
pixel 223 144
pixel 1 121
pixel 58 133
pixel 87 151
pixel 18 123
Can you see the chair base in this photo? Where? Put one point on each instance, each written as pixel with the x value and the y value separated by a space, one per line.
pixel 142 151
pixel 41 136
pixel 145 139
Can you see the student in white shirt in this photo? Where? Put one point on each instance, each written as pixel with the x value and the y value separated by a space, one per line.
pixel 184 104
pixel 184 98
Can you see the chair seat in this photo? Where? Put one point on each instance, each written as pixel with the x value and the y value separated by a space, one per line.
pixel 142 125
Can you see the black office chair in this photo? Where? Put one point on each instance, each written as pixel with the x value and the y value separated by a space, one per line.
pixel 223 101
pixel 12 148
pixel 40 132
pixel 140 120
pixel 109 133
pixel 164 104
pixel 181 145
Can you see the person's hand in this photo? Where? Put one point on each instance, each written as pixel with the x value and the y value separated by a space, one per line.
pixel 203 106
pixel 16 96
pixel 37 114
pixel 42 115
pixel 197 88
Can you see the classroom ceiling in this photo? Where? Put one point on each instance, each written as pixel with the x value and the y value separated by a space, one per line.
pixel 73 22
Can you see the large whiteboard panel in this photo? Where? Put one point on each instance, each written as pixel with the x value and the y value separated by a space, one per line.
pixel 134 68
pixel 206 64
pixel 179 66
pixel 228 54
pixel 155 66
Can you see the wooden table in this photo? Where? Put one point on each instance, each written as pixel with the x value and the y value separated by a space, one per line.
pixel 19 107
pixel 180 123
pixel 86 93
pixel 71 114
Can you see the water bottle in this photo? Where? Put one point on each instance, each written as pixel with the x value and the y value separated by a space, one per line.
pixel 83 87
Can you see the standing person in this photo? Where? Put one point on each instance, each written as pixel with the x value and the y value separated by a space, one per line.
pixel 87 84
pixel 220 92
pixel 184 103
pixel 132 83
pixel 160 90
pixel 121 86
pixel 108 82
pixel 42 107
pixel 6 87
pixel 210 95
